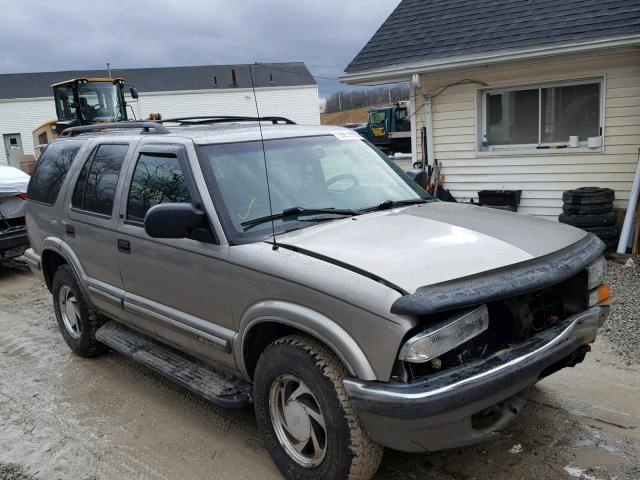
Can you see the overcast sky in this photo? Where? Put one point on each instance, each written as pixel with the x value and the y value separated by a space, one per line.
pixel 48 36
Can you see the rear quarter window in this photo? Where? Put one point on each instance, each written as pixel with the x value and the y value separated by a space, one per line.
pixel 52 169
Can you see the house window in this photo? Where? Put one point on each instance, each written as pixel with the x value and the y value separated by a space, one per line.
pixel 541 116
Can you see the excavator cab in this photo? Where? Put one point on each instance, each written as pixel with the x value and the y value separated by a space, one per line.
pixel 85 101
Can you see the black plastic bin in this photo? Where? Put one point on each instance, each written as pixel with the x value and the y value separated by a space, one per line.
pixel 501 199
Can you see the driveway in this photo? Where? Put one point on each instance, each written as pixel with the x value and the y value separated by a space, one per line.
pixel 63 417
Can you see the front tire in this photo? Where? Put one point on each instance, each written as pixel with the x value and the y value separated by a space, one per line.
pixel 77 321
pixel 305 415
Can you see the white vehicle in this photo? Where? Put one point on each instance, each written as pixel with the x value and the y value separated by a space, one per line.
pixel 13 193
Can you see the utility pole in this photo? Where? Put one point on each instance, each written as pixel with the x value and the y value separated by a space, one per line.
pixel 109 69
pixel 389 90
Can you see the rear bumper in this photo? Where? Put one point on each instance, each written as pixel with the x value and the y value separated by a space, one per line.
pixel 13 242
pixel 470 404
pixel 32 259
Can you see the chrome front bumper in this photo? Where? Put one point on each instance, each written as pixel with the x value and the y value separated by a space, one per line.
pixel 436 413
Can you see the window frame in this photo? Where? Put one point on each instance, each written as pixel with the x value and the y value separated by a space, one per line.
pixel 89 160
pixel 539 147
pixel 160 150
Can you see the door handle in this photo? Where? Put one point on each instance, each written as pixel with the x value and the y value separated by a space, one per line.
pixel 69 230
pixel 124 246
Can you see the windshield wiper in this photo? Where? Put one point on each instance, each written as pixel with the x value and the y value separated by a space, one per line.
pixel 387 204
pixel 297 212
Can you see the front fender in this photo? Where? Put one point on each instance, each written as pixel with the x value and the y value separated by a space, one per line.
pixel 311 322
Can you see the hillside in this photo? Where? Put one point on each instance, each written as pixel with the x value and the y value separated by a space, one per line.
pixel 359 115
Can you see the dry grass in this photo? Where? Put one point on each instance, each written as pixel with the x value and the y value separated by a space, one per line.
pixel 358 115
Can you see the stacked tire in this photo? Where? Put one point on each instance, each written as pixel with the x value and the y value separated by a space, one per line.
pixel 591 209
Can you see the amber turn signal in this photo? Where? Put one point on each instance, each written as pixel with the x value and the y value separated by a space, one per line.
pixel 599 295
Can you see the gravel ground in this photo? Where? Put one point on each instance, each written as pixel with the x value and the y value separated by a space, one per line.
pixel 13 472
pixel 623 326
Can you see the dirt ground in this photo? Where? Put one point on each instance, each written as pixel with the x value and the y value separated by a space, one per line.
pixel 63 417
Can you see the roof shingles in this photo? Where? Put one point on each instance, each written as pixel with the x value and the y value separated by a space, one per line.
pixel 164 79
pixel 430 29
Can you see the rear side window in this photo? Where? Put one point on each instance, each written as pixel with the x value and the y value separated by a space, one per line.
pixel 156 179
pixel 96 186
pixel 52 169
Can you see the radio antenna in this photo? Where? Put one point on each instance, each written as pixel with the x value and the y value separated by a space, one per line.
pixel 264 156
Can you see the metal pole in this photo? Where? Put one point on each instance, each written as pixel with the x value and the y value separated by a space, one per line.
pixel 627 234
pixel 109 69
pixel 389 90
pixel 339 100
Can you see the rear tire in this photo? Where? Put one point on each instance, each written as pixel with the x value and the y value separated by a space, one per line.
pixel 604 220
pixel 604 233
pixel 588 196
pixel 595 209
pixel 305 415
pixel 77 321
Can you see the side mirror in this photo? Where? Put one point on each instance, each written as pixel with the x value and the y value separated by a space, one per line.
pixel 173 220
pixel 134 93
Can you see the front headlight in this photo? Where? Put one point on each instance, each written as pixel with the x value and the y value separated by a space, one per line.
pixel 445 336
pixel 597 271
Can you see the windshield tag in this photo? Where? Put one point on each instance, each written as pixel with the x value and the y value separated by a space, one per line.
pixel 346 135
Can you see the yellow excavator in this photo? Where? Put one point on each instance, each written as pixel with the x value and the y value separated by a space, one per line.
pixel 83 101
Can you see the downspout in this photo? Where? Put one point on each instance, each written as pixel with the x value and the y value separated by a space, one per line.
pixel 415 87
pixel 412 116
pixel 626 234
pixel 428 120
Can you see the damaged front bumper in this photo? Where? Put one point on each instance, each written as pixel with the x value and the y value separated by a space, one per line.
pixel 471 403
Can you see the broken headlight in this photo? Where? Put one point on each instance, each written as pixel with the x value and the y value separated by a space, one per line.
pixel 597 271
pixel 445 336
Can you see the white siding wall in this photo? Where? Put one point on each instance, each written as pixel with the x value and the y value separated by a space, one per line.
pixel 542 176
pixel 23 117
pixel 300 104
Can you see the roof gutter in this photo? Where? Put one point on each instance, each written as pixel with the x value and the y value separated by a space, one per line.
pixel 403 71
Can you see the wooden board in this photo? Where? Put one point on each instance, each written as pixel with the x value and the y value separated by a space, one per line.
pixel 636 234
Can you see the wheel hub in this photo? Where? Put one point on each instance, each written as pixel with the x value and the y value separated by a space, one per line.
pixel 70 312
pixel 298 421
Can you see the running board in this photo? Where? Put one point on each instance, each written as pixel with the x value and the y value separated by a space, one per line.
pixel 190 373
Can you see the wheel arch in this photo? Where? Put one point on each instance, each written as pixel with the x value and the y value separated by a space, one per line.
pixel 55 253
pixel 267 321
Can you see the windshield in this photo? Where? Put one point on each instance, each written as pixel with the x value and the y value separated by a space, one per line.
pixel 377 117
pixel 321 172
pixel 100 102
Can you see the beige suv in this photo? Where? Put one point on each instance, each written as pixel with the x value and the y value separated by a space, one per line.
pixel 299 269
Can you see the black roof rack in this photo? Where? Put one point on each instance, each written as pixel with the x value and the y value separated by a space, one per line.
pixel 202 120
pixel 146 126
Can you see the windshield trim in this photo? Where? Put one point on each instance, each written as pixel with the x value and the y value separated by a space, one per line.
pixel 257 234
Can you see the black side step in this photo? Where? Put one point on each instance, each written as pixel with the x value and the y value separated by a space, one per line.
pixel 190 373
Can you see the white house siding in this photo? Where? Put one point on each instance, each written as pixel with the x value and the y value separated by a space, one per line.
pixel 541 176
pixel 23 116
pixel 300 104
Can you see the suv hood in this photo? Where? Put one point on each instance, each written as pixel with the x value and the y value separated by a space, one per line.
pixel 421 245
